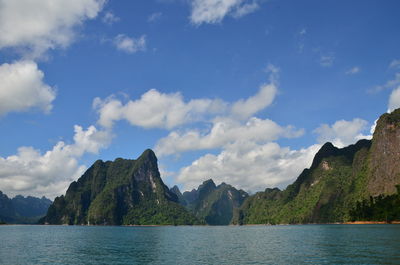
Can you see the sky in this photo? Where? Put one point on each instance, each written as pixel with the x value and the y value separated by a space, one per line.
pixel 240 91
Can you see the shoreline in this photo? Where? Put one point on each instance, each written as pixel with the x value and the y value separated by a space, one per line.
pixel 372 223
pixel 344 223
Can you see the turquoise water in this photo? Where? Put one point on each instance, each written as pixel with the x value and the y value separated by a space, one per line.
pixel 315 244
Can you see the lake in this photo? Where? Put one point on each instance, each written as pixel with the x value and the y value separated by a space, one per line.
pixel 292 244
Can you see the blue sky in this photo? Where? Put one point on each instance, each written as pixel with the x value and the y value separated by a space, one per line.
pixel 241 91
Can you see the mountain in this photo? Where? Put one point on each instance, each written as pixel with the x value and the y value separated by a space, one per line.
pixel 178 194
pixel 122 192
pixel 214 204
pixel 30 206
pixel 356 182
pixel 22 210
pixel 7 211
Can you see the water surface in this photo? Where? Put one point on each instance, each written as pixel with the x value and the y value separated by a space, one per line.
pixel 297 244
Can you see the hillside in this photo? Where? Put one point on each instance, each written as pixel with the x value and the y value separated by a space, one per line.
pixel 122 192
pixel 213 204
pixel 341 184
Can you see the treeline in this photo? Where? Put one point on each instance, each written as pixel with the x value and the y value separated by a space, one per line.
pixel 380 208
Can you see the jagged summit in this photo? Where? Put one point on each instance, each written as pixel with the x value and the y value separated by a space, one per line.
pixel 328 150
pixel 214 204
pixel 22 210
pixel 148 154
pixel 119 192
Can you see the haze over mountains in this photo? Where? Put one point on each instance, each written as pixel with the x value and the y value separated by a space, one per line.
pixel 358 182
pixel 21 209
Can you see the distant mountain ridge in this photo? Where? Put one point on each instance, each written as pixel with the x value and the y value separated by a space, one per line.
pixel 213 204
pixel 22 210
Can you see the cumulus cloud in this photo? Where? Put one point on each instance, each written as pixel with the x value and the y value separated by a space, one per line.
pixel 22 88
pixel 245 108
pixel 249 166
pixel 353 71
pixel 249 158
pixel 342 132
pixel 394 100
pixel 155 110
pixel 224 132
pixel 31 172
pixel 36 26
pixel 160 110
pixel 252 105
pixel 130 45
pixel 214 11
pixel 109 18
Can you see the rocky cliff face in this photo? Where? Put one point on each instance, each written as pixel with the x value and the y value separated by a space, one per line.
pixel 340 185
pixel 384 160
pixel 119 192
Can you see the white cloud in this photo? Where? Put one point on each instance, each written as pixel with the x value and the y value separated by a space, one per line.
pixel 373 127
pixel 326 60
pixel 30 172
pixel 244 108
pixel 154 17
pixel 394 82
pixel 388 85
pixel 159 110
pixel 245 9
pixel 248 156
pixel 224 132
pixel 214 11
pixel 342 132
pixel 155 110
pixel 130 45
pixel 36 26
pixel 394 100
pixel 252 105
pixel 22 88
pixel 249 166
pixel 353 71
pixel 394 64
pixel 110 18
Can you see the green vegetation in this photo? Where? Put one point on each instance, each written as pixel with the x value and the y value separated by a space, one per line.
pixel 162 214
pixel 123 192
pixel 324 193
pixel 380 208
pixel 215 205
pixel 355 183
pixel 22 210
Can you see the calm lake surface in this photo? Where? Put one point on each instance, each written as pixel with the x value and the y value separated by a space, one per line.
pixel 315 244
